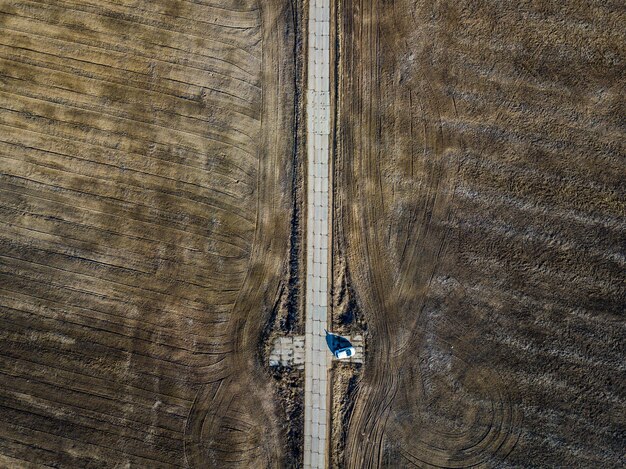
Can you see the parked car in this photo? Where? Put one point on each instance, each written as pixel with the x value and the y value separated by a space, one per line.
pixel 346 352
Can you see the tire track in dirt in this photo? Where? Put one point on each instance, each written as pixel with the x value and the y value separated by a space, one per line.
pixel 212 434
pixel 391 290
pixel 146 162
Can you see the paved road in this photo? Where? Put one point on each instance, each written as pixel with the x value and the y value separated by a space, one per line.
pixel 317 357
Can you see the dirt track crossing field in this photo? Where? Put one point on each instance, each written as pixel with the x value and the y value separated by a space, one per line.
pixel 139 255
pixel 479 213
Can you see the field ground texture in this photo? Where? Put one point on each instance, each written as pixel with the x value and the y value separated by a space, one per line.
pixel 479 223
pixel 146 156
pixel 151 180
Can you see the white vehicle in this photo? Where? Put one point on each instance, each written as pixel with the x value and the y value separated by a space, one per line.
pixel 345 352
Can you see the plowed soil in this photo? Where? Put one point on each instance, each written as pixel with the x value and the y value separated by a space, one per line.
pixel 146 180
pixel 150 233
pixel 480 215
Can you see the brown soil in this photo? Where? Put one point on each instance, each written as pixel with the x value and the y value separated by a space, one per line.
pixel 152 182
pixel 344 379
pixel 480 202
pixel 147 177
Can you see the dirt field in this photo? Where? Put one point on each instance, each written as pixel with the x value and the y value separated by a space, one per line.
pixel 480 226
pixel 151 219
pixel 140 257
